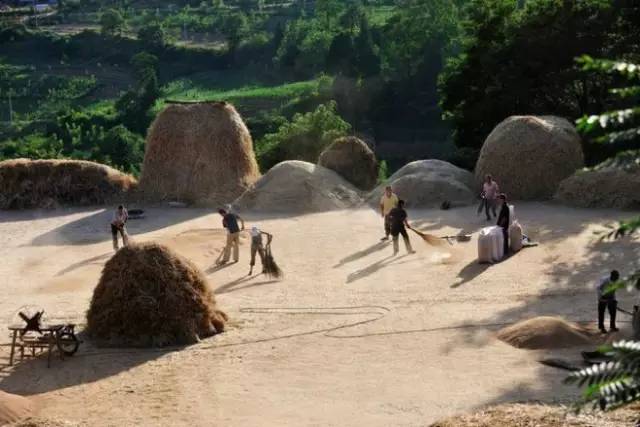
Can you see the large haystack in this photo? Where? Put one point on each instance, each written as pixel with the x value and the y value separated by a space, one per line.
pixel 429 183
pixel 26 184
pixel 149 296
pixel 352 159
pixel 14 407
pixel 530 155
pixel 612 184
pixel 545 333
pixel 199 152
pixel 296 187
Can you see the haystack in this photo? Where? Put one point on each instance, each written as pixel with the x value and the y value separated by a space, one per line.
pixel 14 408
pixel 149 296
pixel 198 153
pixel 529 155
pixel 429 183
pixel 297 187
pixel 28 184
pixel 612 184
pixel 353 160
pixel 536 415
pixel 545 333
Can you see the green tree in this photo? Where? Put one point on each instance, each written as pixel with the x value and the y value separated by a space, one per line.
pixel 328 11
pixel 134 106
pixel 112 22
pixel 122 148
pixel 235 28
pixel 153 35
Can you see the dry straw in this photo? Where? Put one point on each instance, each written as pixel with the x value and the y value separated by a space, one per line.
pixel 352 159
pixel 149 296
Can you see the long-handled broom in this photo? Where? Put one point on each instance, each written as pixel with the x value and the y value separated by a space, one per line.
pixel 430 239
pixel 270 266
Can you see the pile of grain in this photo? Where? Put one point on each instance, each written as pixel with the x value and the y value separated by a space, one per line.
pixel 545 333
pixel 150 296
pixel 298 187
pixel 529 156
pixel 14 408
pixel 353 160
pixel 26 184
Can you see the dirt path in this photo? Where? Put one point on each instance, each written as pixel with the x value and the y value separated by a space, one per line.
pixel 421 346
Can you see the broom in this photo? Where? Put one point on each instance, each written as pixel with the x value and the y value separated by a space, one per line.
pixel 270 266
pixel 429 239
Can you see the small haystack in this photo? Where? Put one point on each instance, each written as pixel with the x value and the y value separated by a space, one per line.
pixel 14 408
pixel 297 187
pixel 529 156
pixel 26 184
pixel 536 415
pixel 429 183
pixel 614 183
pixel 353 160
pixel 199 152
pixel 149 296
pixel 545 333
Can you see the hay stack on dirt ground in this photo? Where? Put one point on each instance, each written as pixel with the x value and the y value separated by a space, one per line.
pixel 614 183
pixel 296 186
pixel 353 160
pixel 26 184
pixel 198 153
pixel 14 408
pixel 545 333
pixel 429 183
pixel 535 415
pixel 529 156
pixel 149 296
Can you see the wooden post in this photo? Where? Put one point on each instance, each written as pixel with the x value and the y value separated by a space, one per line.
pixel 13 346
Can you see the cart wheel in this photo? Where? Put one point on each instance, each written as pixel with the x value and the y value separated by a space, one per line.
pixel 67 343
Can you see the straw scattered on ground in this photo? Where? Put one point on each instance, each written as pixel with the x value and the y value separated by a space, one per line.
pixel 14 408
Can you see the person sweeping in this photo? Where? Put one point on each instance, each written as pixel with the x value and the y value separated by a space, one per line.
pixel 398 219
pixel 607 301
pixel 230 222
pixel 258 248
pixel 118 223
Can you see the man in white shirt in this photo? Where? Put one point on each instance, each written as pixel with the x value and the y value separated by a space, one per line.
pixel 388 201
pixel 120 217
pixel 607 301
pixel 490 191
pixel 257 247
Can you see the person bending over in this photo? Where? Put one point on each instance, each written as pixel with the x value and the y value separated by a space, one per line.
pixel 257 247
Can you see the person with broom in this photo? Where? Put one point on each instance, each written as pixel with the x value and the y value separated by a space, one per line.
pixel 120 217
pixel 388 201
pixel 230 222
pixel 607 301
pixel 257 247
pixel 398 219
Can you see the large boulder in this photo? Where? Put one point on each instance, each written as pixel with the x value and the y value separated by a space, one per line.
pixel 530 155
pixel 296 187
pixel 200 152
pixel 429 183
pixel 614 183
pixel 352 159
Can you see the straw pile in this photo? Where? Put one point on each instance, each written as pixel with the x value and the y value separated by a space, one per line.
pixel 535 415
pixel 198 153
pixel 429 183
pixel 611 184
pixel 26 184
pixel 14 407
pixel 297 187
pixel 544 333
pixel 529 156
pixel 149 296
pixel 353 160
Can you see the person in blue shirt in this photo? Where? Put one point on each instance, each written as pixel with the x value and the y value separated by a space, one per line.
pixel 607 301
pixel 230 222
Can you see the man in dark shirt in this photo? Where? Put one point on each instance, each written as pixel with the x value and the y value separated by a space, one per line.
pixel 607 301
pixel 397 222
pixel 230 222
pixel 504 220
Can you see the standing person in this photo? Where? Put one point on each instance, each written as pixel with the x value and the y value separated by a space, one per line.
pixel 257 247
pixel 490 191
pixel 504 221
pixel 120 217
pixel 607 301
pixel 230 222
pixel 388 201
pixel 397 222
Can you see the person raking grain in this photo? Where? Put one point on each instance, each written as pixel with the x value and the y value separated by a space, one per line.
pixel 398 220
pixel 230 222
pixel 118 225
pixel 388 201
pixel 257 247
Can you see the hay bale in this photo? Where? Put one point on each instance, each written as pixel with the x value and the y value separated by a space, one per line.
pixel 612 184
pixel 536 415
pixel 149 296
pixel 298 187
pixel 14 408
pixel 198 153
pixel 353 160
pixel 544 333
pixel 26 184
pixel 429 183
pixel 530 155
